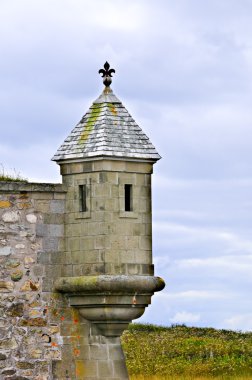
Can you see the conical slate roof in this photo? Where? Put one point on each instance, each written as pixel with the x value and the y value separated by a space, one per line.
pixel 108 130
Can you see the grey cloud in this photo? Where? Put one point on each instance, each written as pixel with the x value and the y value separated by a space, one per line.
pixel 183 70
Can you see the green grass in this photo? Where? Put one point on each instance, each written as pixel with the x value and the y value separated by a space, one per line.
pixel 180 352
pixel 13 177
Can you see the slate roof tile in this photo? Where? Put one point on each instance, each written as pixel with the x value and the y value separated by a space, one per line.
pixel 107 129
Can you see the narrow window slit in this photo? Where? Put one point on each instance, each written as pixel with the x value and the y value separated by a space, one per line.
pixel 83 197
pixel 128 197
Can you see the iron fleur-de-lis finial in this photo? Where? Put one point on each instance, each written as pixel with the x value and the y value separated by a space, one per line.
pixel 106 74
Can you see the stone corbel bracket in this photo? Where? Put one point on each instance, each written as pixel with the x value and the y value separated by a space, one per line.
pixel 109 302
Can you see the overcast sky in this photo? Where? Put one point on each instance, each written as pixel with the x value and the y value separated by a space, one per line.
pixel 184 72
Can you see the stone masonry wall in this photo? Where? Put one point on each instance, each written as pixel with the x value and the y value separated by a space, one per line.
pixel 31 250
pixel 105 239
pixel 41 336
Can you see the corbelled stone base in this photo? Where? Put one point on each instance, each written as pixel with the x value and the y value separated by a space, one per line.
pixel 106 361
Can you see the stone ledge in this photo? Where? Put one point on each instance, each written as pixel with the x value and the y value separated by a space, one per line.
pixel 16 187
pixel 109 283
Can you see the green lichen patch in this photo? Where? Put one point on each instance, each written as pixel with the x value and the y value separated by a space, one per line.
pixel 16 275
pixel 88 127
pixel 112 108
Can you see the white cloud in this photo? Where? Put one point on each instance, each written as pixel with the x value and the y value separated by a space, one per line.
pixel 194 295
pixel 183 69
pixel 239 322
pixel 185 317
pixel 187 234
pixel 235 263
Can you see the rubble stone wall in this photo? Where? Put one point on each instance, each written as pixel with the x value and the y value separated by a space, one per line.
pixel 31 253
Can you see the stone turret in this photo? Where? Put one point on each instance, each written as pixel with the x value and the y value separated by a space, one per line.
pixel 106 163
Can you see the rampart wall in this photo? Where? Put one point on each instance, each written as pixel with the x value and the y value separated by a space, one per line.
pixel 41 336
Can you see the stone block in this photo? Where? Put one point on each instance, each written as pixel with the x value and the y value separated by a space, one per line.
pixel 124 227
pixel 5 204
pixel 98 351
pixel 102 190
pixel 120 369
pixel 67 271
pixel 6 286
pixel 139 167
pixel 86 368
pixel 38 270
pixel 132 242
pixel 47 284
pixel 73 230
pixel 52 271
pixel 112 204
pixel 133 269
pixel 105 369
pixel 79 257
pixel 31 218
pixel 59 196
pixel 102 242
pixel 147 269
pixel 57 257
pixel 54 218
pixel 63 370
pixel 10 217
pixel 127 257
pixel 78 269
pixel 140 179
pixel 146 242
pixel 148 229
pixel 57 206
pixel 44 257
pixel 138 229
pixel 41 206
pixel 55 230
pixel 113 256
pixel 143 257
pixel 50 244
pixel 73 244
pixel 124 178
pixel 118 242
pixel 5 251
pixel 114 269
pixel 92 269
pixel 41 230
pixel 115 352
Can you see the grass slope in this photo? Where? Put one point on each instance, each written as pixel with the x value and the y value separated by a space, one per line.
pixel 180 352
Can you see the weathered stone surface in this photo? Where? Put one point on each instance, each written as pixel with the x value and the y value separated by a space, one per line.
pixel 36 354
pixel 28 260
pixel 16 377
pixel 9 371
pixel 25 365
pixel 5 251
pixel 20 246
pixel 29 286
pixel 16 310
pixel 31 218
pixel 6 286
pixel 16 275
pixel 8 344
pixel 5 204
pixel 10 217
pixel 12 264
pixel 3 356
pixel 33 322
